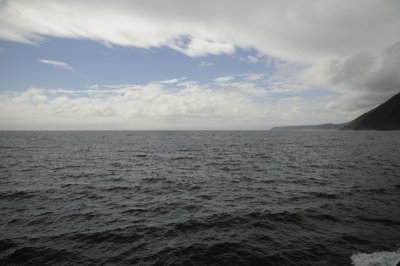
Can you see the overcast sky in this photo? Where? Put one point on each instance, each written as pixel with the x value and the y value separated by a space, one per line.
pixel 182 64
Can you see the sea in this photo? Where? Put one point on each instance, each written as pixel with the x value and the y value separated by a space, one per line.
pixel 199 197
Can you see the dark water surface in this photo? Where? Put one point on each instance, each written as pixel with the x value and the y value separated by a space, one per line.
pixel 197 198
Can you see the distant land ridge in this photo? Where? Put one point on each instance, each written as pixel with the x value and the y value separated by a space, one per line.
pixel 328 126
pixel 384 117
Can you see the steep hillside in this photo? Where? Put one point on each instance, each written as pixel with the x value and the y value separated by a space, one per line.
pixel 384 117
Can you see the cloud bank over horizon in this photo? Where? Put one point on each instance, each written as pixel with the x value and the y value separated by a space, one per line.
pixel 347 50
pixel 170 104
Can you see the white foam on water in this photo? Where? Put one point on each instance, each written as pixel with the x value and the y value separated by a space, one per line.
pixel 382 258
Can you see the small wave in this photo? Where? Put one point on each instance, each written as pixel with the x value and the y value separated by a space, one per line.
pixel 325 216
pixel 114 237
pixel 205 196
pixel 379 220
pixel 178 158
pixel 65 167
pixel 135 210
pixel 283 217
pixel 40 221
pixel 375 190
pixel 15 195
pixel 222 253
pixel 12 221
pixel 323 195
pixel 115 188
pixel 356 240
pixel 42 256
pixel 153 179
pixel 233 221
pixel 382 258
pixel 6 245
pixel 78 216
pixel 78 188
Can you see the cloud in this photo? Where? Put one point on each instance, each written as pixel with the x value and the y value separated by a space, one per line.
pixel 343 46
pixel 253 77
pixel 56 64
pixel 365 79
pixel 199 47
pixel 157 105
pixel 290 29
pixel 252 59
pixel 172 81
pixel 368 72
pixel 224 79
pixel 245 87
pixel 206 64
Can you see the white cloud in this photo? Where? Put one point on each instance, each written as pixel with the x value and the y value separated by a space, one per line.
pixel 253 77
pixel 344 46
pixel 57 64
pixel 290 29
pixel 200 47
pixel 206 64
pixel 172 81
pixel 253 59
pixel 224 79
pixel 157 105
pixel 245 87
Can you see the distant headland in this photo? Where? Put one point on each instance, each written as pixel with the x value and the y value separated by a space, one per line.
pixel 384 117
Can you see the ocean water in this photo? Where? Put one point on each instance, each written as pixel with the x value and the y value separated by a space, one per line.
pixel 198 198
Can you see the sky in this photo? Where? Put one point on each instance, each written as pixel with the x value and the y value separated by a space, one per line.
pixel 201 65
